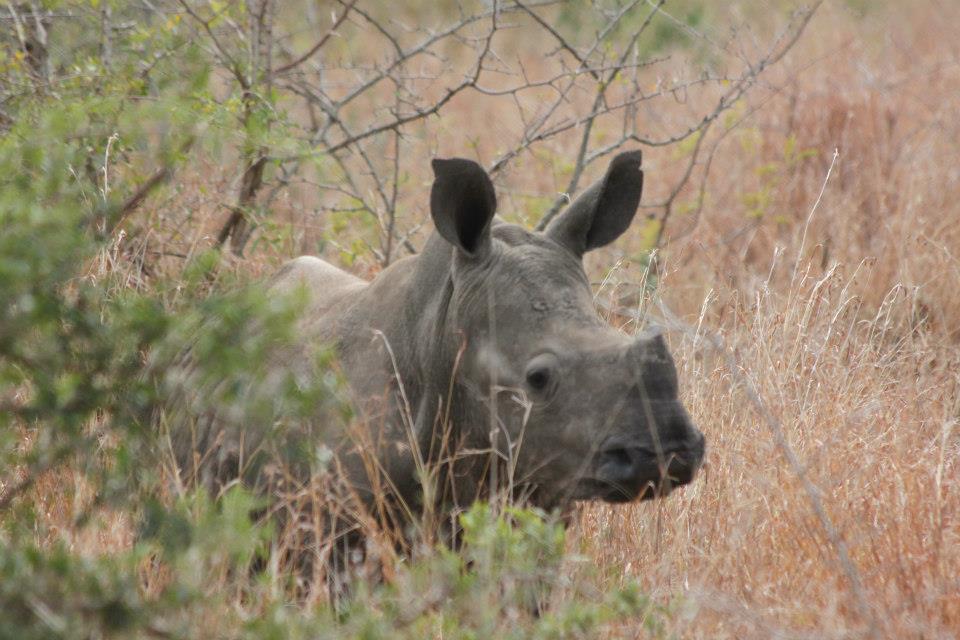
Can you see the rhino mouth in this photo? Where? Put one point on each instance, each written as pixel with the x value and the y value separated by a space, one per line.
pixel 592 489
pixel 645 481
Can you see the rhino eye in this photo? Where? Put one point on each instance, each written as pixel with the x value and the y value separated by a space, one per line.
pixel 538 379
pixel 541 372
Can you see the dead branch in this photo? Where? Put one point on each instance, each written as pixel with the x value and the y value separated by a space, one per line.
pixel 160 176
pixel 315 48
pixel 366 143
pixel 782 44
pixel 588 126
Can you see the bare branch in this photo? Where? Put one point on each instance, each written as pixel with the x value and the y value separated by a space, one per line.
pixel 588 128
pixel 160 176
pixel 344 117
pixel 566 46
pixel 319 45
pixel 780 47
pixel 226 59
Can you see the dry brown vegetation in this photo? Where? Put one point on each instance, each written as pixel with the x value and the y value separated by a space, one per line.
pixel 850 339
pixel 832 281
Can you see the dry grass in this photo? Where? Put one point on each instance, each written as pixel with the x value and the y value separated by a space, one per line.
pixel 870 411
pixel 853 344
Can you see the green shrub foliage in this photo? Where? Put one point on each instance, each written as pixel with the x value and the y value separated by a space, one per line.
pixel 83 359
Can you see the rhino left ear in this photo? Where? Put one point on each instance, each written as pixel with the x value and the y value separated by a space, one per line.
pixel 604 211
pixel 462 204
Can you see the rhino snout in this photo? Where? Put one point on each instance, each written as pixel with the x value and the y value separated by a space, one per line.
pixel 625 472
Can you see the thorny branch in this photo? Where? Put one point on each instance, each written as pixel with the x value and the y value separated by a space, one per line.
pixel 345 123
pixel 782 44
pixel 315 48
pixel 598 101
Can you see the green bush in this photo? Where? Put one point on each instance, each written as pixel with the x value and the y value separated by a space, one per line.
pixel 78 358
pixel 83 387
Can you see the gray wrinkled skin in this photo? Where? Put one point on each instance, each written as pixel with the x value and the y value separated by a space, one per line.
pixel 489 339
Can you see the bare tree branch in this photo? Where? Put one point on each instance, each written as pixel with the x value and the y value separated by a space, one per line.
pixel 133 202
pixel 319 45
pixel 782 44
pixel 344 119
pixel 588 127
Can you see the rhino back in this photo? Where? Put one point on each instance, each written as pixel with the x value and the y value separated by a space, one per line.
pixel 328 287
pixel 384 336
pixel 372 327
pixel 213 440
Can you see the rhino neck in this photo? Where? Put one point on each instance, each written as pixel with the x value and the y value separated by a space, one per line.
pixel 410 304
pixel 446 411
pixel 428 319
pixel 453 417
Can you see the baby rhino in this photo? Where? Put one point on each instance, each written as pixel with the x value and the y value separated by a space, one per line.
pixel 484 356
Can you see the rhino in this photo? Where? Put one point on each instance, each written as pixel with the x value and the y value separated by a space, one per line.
pixel 485 354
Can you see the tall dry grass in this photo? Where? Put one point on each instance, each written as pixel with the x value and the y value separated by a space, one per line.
pixel 850 339
pixel 845 318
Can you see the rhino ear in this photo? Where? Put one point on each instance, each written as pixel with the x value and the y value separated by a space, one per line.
pixel 604 211
pixel 462 204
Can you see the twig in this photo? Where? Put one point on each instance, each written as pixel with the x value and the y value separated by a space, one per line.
pixel 319 45
pixel 602 85
pixel 133 202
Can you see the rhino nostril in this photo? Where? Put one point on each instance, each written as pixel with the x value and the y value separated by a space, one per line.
pixel 617 458
pixel 681 471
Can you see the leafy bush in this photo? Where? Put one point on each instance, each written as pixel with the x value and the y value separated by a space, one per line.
pixel 84 365
pixel 100 111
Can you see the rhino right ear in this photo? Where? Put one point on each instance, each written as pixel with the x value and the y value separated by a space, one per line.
pixel 462 204
pixel 604 211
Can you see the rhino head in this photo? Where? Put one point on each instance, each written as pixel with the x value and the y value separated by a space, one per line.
pixel 577 409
